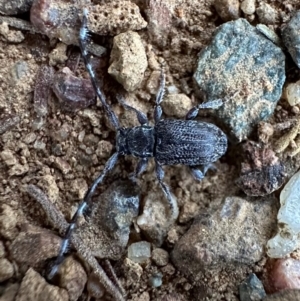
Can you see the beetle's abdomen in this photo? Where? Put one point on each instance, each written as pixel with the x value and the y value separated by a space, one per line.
pixel 188 142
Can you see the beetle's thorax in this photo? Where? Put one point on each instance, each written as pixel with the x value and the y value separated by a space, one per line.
pixel 138 141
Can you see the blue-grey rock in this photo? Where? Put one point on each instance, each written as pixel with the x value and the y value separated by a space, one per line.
pixel 291 37
pixel 251 289
pixel 246 70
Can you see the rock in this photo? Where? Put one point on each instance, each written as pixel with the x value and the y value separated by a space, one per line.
pixel 33 246
pixel 287 295
pixel 284 274
pixel 269 34
pixel 8 122
pixel 288 219
pixel 155 221
pixel 246 67
pixel 251 289
pixel 58 55
pixel 248 7
pixel 72 277
pixel 133 272
pixel 8 157
pixel 128 60
pixel 266 13
pixel 35 288
pixel 74 93
pixel 139 252
pixel 160 257
pixel 6 270
pixel 234 235
pixel 292 93
pixel 227 9
pixel 8 222
pixel 156 280
pixel 177 105
pixel 108 220
pixel 262 172
pixel 115 17
pixel 291 38
pixel 15 7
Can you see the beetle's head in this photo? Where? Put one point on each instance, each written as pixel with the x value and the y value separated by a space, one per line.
pixel 121 141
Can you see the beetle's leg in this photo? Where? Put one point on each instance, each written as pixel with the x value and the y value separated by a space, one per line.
pixel 83 41
pixel 141 166
pixel 198 174
pixel 159 97
pixel 172 201
pixel 142 118
pixel 80 210
pixel 214 104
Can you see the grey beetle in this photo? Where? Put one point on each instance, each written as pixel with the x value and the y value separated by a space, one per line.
pixel 169 142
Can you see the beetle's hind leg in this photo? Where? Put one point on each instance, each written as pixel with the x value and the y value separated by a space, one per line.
pixel 200 174
pixel 172 201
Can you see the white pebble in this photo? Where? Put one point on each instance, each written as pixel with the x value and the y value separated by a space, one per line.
pixel 292 93
pixel 139 252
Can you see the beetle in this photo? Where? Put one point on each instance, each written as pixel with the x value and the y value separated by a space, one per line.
pixel 169 142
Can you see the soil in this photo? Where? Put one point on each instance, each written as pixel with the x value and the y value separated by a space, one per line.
pixel 30 144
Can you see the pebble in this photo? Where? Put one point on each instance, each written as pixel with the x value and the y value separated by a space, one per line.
pixel 284 274
pixel 15 7
pixel 35 288
pixel 251 289
pixel 8 157
pixel 133 272
pixel 115 17
pixel 156 280
pixel 107 227
pixel 160 257
pixel 234 235
pixel 227 9
pixel 261 171
pixel 292 93
pixel 176 105
pixel 8 123
pixel 8 222
pixel 155 221
pixel 266 13
pixel 248 7
pixel 139 252
pixel 291 38
pixel 286 240
pixel 62 165
pixel 72 277
pixel 6 269
pixel 128 60
pixel 248 68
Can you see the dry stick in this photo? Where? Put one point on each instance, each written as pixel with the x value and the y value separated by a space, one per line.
pixel 58 221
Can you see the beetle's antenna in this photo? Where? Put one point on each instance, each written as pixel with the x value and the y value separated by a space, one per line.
pixel 213 104
pixel 83 41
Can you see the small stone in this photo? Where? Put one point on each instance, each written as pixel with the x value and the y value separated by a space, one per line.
pixel 261 172
pixel 8 123
pixel 8 157
pixel 128 60
pixel 58 54
pixel 265 131
pixel 153 82
pixel 30 138
pixel 8 222
pixel 233 236
pixel 115 17
pixel 269 34
pixel 286 295
pixel 139 252
pixel 286 240
pixel 228 9
pixel 251 289
pixel 74 93
pixel 133 272
pixel 35 288
pixel 6 269
pixel 160 257
pixel 248 7
pixel 104 149
pixel 15 7
pixel 266 13
pixel 62 165
pixel 291 38
pixel 39 145
pixel 241 59
pixel 18 170
pixel 19 71
pixel 177 105
pixel 48 182
pixel 156 280
pixel 107 227
pixel 292 93
pixel 33 246
pixel 284 274
pixel 72 277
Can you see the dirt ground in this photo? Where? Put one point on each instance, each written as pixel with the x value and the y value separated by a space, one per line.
pixel 30 145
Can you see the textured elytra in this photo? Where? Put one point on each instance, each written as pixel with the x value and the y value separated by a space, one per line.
pixel 188 142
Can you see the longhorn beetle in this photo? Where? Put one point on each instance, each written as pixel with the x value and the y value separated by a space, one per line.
pixel 169 142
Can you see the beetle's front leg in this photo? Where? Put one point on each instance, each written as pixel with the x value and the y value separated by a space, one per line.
pixel 172 201
pixel 141 166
